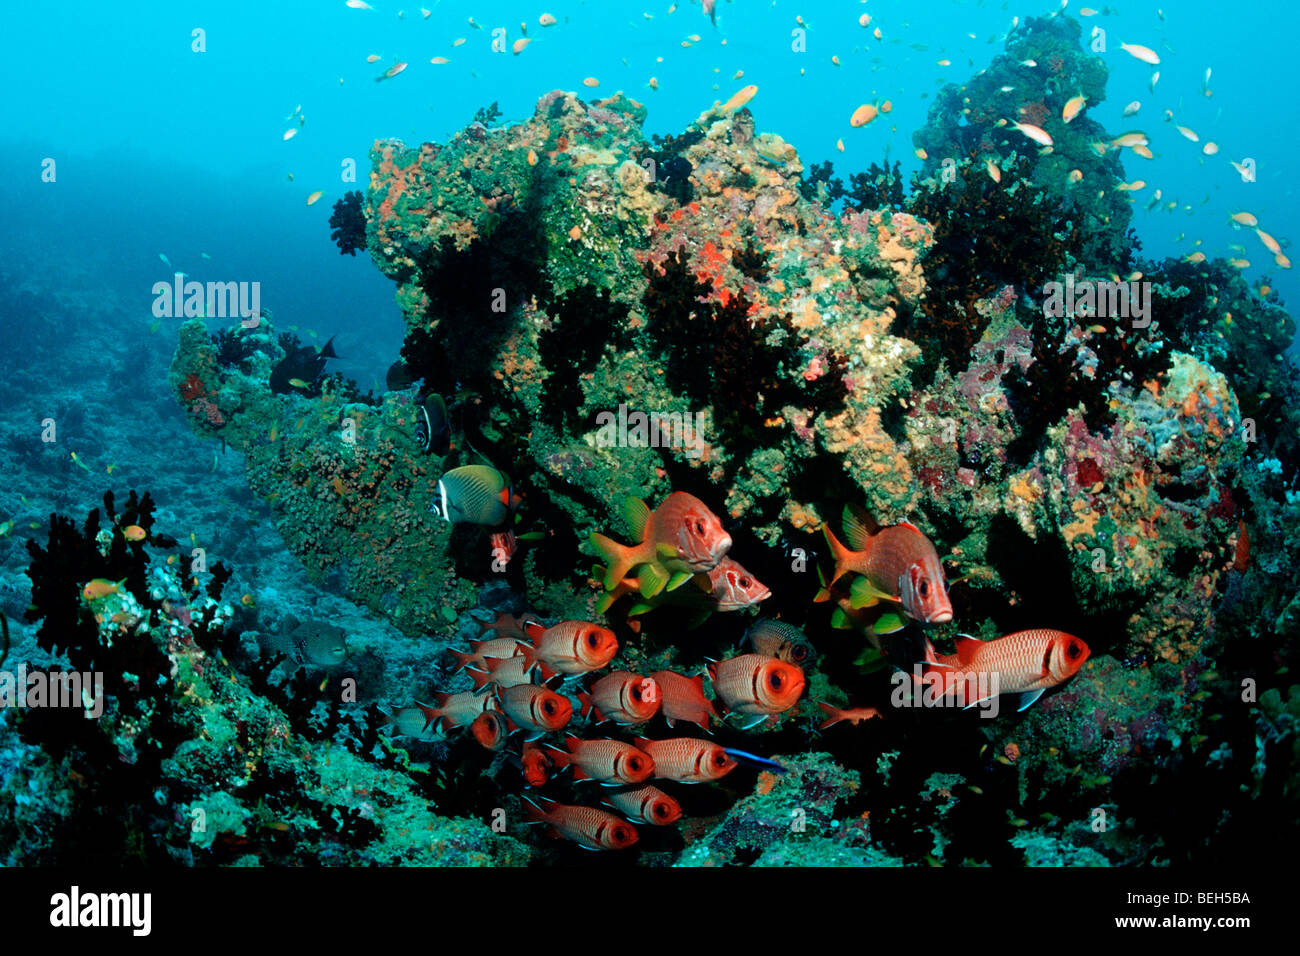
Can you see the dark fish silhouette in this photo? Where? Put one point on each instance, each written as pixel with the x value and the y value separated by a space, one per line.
pixel 304 364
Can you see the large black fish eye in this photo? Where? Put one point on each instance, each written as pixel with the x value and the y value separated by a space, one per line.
pixel 775 679
pixel 745 582
pixel 798 653
pixel 925 587
pixel 699 528
pixel 1073 650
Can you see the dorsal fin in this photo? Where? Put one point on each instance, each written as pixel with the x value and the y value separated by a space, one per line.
pixel 858 527
pixel 967 647
pixel 911 527
pixel 637 515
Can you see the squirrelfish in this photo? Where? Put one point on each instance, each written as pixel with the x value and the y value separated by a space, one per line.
pixel 455 710
pixel 898 563
pixel 622 697
pixel 609 761
pixel 755 685
pixel 780 640
pixel 645 804
pixel 489 729
pixel 571 647
pixel 687 759
pixel 534 764
pixel 585 826
pixel 479 651
pixel 474 494
pixel 682 698
pixel 535 709
pixel 503 672
pixel 1026 663
pixel 681 537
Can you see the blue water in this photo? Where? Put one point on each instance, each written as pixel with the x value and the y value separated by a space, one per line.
pixel 161 149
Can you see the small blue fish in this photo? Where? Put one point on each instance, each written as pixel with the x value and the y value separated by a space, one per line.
pixel 755 761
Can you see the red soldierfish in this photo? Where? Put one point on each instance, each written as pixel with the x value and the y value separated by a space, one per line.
pixel 753 684
pixel 456 710
pixel 585 826
pixel 682 698
pixel 479 651
pixel 897 563
pixel 571 647
pixel 1026 662
pixel 645 804
pixel 535 764
pixel 508 672
pixel 534 708
pixel 610 761
pixel 680 538
pixel 489 729
pixel 622 697
pixel 687 759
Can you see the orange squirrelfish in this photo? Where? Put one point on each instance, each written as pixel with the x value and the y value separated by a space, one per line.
pixel 756 685
pixel 507 625
pixel 455 710
pixel 645 804
pixel 489 729
pixel 726 587
pixel 503 672
pixel 479 651
pixel 622 697
pixel 610 761
pixel 535 709
pixel 680 538
pixel 687 759
pixel 854 715
pixel 898 563
pixel 682 698
pixel 585 826
pixel 535 764
pixel 1026 663
pixel 571 647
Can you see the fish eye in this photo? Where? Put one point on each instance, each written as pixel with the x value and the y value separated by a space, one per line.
pixel 1073 650
pixel 719 759
pixel 799 653
pixel 745 582
pixel 661 810
pixel 699 528
pixel 592 638
pixel 925 587
pixel 776 679
pixel 548 708
pixel 634 764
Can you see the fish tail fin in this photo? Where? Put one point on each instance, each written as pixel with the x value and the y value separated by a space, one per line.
pixel 480 678
pixel 463 658
pixel 431 715
pixel 842 557
pixel 619 559
pixel 328 350
pixel 529 654
pixel 834 715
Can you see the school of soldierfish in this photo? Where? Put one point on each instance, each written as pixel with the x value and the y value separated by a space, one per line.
pixel 680 548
